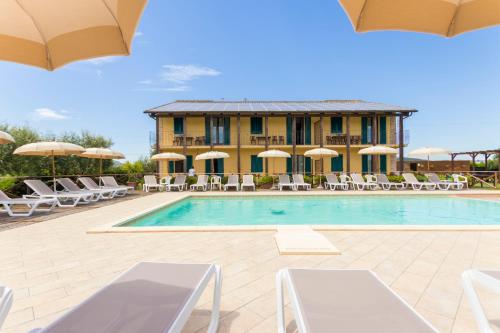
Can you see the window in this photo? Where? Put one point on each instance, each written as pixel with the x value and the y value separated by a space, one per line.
pixel 256 125
pixel 178 125
pixel 338 163
pixel 256 164
pixel 336 125
pixel 220 132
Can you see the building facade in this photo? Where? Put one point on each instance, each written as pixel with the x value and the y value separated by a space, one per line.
pixel 245 128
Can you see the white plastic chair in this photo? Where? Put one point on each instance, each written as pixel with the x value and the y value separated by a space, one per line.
pixel 215 182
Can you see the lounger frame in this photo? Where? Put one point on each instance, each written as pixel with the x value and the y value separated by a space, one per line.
pixel 487 281
pixel 6 299
pixel 32 204
pixel 283 277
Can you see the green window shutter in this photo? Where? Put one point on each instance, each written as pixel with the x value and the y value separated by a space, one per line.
pixel 178 125
pixel 364 163
pixel 208 166
pixel 257 164
pixel 207 130
pixel 289 165
pixel 307 161
pixel 220 166
pixel 288 130
pixel 171 168
pixel 337 163
pixel 256 125
pixel 189 161
pixel 308 130
pixel 227 130
pixel 383 130
pixel 383 163
pixel 336 125
pixel 364 130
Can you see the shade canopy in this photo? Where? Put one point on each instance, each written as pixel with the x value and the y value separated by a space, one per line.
pixel 50 34
pixel 168 157
pixel 102 153
pixel 378 150
pixel 273 153
pixel 321 152
pixel 49 148
pixel 211 155
pixel 427 151
pixel 6 138
pixel 442 17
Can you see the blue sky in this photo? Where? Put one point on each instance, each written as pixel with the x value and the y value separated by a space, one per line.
pixel 261 49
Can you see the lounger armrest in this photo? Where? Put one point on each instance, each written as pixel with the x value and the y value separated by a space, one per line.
pixel 31 196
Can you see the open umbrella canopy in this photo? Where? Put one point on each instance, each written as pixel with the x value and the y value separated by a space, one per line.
pixel 442 17
pixel 378 150
pixel 211 155
pixel 6 138
pixel 49 148
pixel 168 157
pixel 273 153
pixel 427 151
pixel 50 34
pixel 101 153
pixel 321 152
pixel 117 155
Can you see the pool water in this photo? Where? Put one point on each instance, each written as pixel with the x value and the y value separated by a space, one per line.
pixel 345 210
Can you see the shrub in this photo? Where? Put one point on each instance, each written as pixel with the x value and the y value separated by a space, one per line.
pixel 7 183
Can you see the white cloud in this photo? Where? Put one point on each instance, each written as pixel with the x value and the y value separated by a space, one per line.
pixel 102 60
pixel 46 113
pixel 146 82
pixel 138 34
pixel 178 88
pixel 180 74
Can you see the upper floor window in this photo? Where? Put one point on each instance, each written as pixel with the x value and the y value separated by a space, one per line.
pixel 256 125
pixel 336 125
pixel 178 125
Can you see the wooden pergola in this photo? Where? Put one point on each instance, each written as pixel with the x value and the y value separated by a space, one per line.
pixel 473 154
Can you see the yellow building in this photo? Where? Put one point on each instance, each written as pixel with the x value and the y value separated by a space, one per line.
pixel 245 128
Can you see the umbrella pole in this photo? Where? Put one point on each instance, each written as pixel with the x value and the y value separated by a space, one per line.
pixel 54 172
pixel 321 168
pixel 428 164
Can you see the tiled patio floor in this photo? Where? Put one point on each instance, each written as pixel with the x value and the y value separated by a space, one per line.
pixel 55 264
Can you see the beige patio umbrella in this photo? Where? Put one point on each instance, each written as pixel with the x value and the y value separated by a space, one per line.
pixel 50 148
pixel 273 154
pixel 320 153
pixel 6 138
pixel 428 151
pixel 211 155
pixel 442 17
pixel 102 154
pixel 378 150
pixel 168 157
pixel 50 34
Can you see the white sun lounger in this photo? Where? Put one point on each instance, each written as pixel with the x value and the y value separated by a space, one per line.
pixel 148 298
pixel 8 205
pixel 298 181
pixel 6 299
pixel 248 182
pixel 444 185
pixel 284 182
pixel 110 182
pixel 487 279
pixel 354 301
pixel 332 183
pixel 201 183
pixel 386 184
pixel 91 185
pixel 151 182
pixel 345 179
pixel 416 185
pixel 97 195
pixel 179 183
pixel 360 184
pixel 233 181
pixel 42 191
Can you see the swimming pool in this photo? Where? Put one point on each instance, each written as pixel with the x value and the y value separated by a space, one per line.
pixel 322 210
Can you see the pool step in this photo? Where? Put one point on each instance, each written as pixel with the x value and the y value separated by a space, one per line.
pixel 302 240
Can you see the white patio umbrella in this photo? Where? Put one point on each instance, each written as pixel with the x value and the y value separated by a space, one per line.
pixel 378 150
pixel 428 151
pixel 273 154
pixel 50 148
pixel 102 154
pixel 320 153
pixel 50 34
pixel 6 138
pixel 168 157
pixel 211 155
pixel 442 17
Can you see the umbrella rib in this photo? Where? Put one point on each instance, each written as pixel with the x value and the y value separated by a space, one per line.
pixel 47 51
pixel 451 27
pixel 118 25
pixel 358 22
